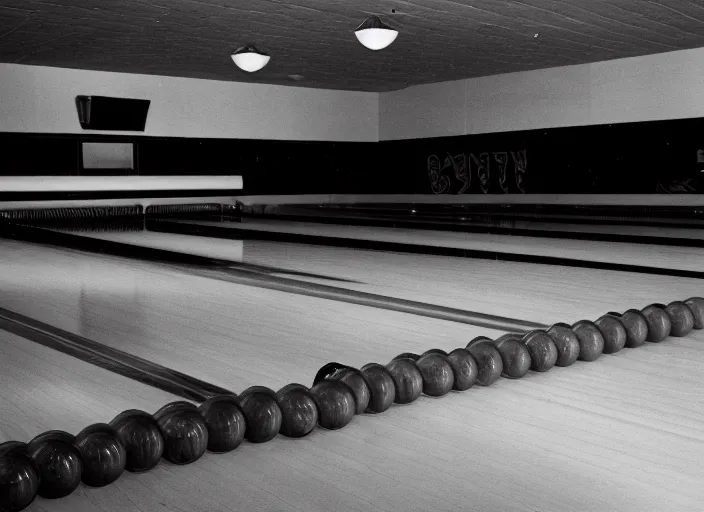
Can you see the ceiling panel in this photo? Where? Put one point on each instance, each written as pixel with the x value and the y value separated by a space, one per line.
pixel 439 39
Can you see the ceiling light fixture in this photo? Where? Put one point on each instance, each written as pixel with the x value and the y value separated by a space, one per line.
pixel 249 59
pixel 375 34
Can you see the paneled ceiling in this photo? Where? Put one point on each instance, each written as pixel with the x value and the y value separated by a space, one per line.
pixel 439 39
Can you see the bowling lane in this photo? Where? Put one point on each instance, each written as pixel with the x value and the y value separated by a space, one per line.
pixel 230 250
pixel 623 434
pixel 681 258
pixel 535 292
pixel 42 389
pixel 526 291
pixel 229 335
pixel 613 229
pixel 506 222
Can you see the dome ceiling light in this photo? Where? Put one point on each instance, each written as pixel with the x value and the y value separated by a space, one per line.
pixel 375 34
pixel 249 59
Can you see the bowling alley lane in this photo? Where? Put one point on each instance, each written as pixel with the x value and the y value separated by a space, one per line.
pixel 230 335
pixel 500 222
pixel 230 250
pixel 613 229
pixel 535 292
pixel 623 434
pixel 42 389
pixel 525 291
pixel 669 257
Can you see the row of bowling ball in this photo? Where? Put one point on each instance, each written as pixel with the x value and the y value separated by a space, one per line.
pixel 54 463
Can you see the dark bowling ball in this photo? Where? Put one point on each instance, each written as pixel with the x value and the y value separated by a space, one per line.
pixel 104 456
pixel 464 367
pixel 19 477
pixel 408 380
pixel 489 363
pixel 434 351
pixel 591 342
pixel 636 327
pixel 514 354
pixel 336 403
pixel 681 317
pixel 696 304
pixel 567 344
pixel 543 352
pixel 381 387
pixel 59 462
pixel 408 355
pixel 184 431
pixel 261 413
pixel 141 436
pixel 299 412
pixel 438 377
pixel 613 332
pixel 350 376
pixel 659 324
pixel 225 422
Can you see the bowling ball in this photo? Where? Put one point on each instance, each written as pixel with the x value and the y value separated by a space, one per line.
pixel 408 380
pixel 591 342
pixel 613 332
pixel 350 376
pixel 696 304
pixel 464 367
pixel 19 477
pixel 636 327
pixel 659 323
pixel 261 413
pixel 225 422
pixel 514 354
pixel 299 412
pixel 434 351
pixel 543 352
pixel 104 456
pixel 438 377
pixel 141 436
pixel 336 403
pixel 566 342
pixel 59 462
pixel 381 387
pixel 489 363
pixel 184 431
pixel 408 355
pixel 681 317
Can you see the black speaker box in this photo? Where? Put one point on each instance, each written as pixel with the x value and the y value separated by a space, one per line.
pixel 115 114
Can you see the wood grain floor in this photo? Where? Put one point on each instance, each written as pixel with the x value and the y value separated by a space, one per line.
pixel 623 434
pixel 541 293
pixel 682 258
pixel 614 229
pixel 534 292
pixel 230 250
pixel 41 389
pixel 230 335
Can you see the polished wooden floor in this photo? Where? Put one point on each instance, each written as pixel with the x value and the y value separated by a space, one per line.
pixel 681 258
pixel 625 433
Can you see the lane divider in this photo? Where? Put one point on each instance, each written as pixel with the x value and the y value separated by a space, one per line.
pixel 111 359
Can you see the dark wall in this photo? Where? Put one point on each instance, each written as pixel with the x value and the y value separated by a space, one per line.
pixel 272 167
pixel 635 158
pixel 651 157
